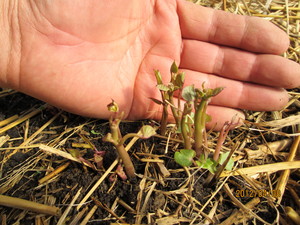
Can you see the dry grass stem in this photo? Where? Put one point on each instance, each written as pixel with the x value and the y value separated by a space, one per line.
pixel 54 173
pixel 22 119
pixel 268 168
pixel 8 120
pixel 246 208
pixel 278 124
pixel 271 148
pixel 283 179
pixel 61 153
pixel 78 217
pixel 3 140
pixel 98 203
pixel 239 216
pixel 61 220
pixel 34 135
pixel 89 215
pixel 29 205
pixel 292 214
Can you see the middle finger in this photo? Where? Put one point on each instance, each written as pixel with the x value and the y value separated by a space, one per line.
pixel 240 65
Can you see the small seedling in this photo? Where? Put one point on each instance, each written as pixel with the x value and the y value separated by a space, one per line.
pixel 167 94
pixel 186 157
pixel 115 137
pixel 190 120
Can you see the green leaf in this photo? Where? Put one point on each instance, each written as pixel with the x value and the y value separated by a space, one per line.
pixel 208 164
pixel 74 152
pixel 171 87
pixel 113 106
pixel 211 165
pixel 188 93
pixel 199 93
pixel 147 131
pixel 163 87
pixel 185 157
pixel 230 164
pixel 94 132
pixel 216 91
pixel 222 159
pixel 179 80
pixel 207 118
pixel 208 93
pixel 174 68
pixel 158 77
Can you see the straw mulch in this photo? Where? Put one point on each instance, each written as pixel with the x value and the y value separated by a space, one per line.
pixel 37 145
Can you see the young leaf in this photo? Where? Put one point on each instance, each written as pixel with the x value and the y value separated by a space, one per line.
pixel 94 132
pixel 208 164
pixel 188 93
pixel 179 80
pixel 163 87
pixel 113 106
pixel 172 87
pixel 200 93
pixel 222 159
pixel 174 68
pixel 216 91
pixel 185 157
pixel 147 131
pixel 74 152
pixel 158 77
pixel 121 173
pixel 207 118
pixel 230 164
pixel 98 160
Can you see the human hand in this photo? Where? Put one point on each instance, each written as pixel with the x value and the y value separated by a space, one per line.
pixel 78 55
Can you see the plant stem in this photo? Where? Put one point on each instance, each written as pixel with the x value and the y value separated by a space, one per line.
pixel 128 165
pixel 200 117
pixel 186 139
pixel 164 118
pixel 114 127
pixel 130 135
pixel 174 110
pixel 118 142
pixel 221 139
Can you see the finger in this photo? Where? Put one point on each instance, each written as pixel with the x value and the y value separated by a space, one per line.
pixel 220 115
pixel 238 94
pixel 236 64
pixel 249 33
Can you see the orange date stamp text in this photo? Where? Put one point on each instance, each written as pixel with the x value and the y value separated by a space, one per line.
pixel 251 193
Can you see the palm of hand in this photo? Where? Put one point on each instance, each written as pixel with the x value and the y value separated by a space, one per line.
pixel 80 59
pixel 79 55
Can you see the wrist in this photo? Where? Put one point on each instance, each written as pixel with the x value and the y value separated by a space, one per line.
pixel 9 42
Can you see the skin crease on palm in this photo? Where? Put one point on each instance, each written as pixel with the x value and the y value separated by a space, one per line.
pixel 78 55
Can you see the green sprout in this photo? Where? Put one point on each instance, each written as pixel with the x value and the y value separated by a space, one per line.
pixel 115 137
pixel 167 94
pixel 186 157
pixel 190 120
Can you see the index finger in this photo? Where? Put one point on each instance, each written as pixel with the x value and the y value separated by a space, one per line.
pixel 223 28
